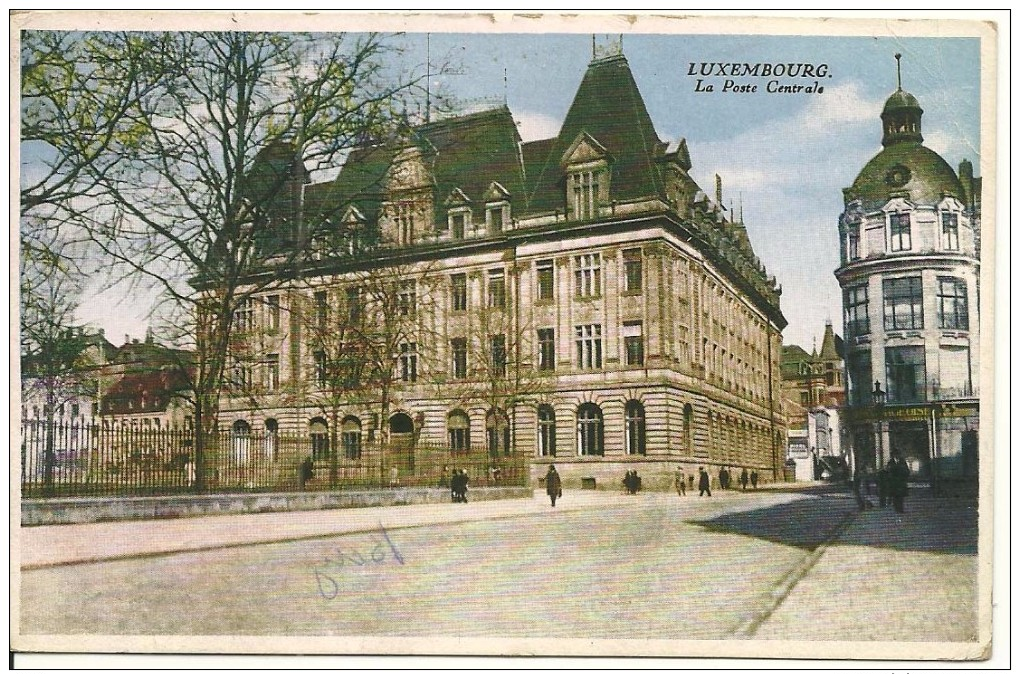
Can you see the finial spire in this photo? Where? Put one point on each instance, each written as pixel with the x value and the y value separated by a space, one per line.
pixel 899 81
pixel 593 45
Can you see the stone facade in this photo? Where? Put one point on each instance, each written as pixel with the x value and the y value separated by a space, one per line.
pixel 910 236
pixel 578 299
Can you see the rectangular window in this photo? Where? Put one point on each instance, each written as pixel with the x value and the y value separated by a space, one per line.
pixel 320 368
pixel 853 244
pixel 407 297
pixel 273 305
pixel 952 302
pixel 321 309
pixel 588 275
pixel 632 269
pixel 547 349
pixel 904 372
pixel 350 440
pixel 409 362
pixel 75 409
pixel 633 342
pixel 855 301
pixel 457 224
pixel 272 372
pixel 354 307
pixel 405 222
pixel 496 289
pixel 589 346
pixel 498 344
pixel 458 351
pixel 950 231
pixel 458 292
pixel 244 316
pixel 899 231
pixel 495 216
pixel 544 269
pixel 902 298
pixel 584 194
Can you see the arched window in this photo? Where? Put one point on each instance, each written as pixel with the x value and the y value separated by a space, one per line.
pixel 689 427
pixel 272 430
pixel 497 432
pixel 458 427
pixel 318 430
pixel 634 415
pixel 350 437
pixel 546 430
pixel 590 431
pixel 241 437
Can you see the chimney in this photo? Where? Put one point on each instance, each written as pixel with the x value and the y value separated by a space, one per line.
pixel 127 339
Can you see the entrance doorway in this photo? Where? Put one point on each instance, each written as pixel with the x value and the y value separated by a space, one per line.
pixel 909 440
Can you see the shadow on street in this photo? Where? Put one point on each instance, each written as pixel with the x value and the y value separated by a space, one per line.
pixel 805 523
pixel 939 525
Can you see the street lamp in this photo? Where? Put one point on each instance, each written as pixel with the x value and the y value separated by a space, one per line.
pixel 878 398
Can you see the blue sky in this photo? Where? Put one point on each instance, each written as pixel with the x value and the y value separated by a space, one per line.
pixel 786 157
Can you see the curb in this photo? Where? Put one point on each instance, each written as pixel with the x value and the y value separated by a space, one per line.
pixel 785 585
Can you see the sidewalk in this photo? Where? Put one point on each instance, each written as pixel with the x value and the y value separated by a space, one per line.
pixel 887 575
pixel 53 545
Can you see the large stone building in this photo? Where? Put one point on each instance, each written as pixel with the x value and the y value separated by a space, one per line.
pixel 910 236
pixel 579 299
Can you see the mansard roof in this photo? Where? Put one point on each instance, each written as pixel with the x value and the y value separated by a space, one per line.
pixel 608 107
pixel 470 152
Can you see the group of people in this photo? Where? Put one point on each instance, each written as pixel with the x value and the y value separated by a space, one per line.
pixel 705 480
pixel 892 483
pixel 459 486
pixel 632 482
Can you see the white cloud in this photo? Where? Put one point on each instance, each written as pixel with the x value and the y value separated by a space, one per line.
pixel 536 126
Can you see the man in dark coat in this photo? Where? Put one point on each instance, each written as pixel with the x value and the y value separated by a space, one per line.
pixel 898 475
pixel 743 479
pixel 754 479
pixel 883 483
pixel 553 484
pixel 704 482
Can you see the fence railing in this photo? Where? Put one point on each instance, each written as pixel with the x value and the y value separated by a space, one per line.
pixel 70 459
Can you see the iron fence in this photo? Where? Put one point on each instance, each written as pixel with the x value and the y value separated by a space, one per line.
pixel 75 459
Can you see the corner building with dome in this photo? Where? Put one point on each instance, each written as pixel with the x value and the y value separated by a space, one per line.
pixel 910 237
pixel 577 300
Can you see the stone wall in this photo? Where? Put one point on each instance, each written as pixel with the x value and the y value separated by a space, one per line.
pixel 84 510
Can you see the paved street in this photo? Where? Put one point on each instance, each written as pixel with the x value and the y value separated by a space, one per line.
pixel 599 565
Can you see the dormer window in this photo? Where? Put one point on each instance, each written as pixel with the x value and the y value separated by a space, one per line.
pixel 458 221
pixel 853 244
pixel 405 222
pixel 950 231
pixel 585 164
pixel 584 194
pixel 899 232
pixel 496 217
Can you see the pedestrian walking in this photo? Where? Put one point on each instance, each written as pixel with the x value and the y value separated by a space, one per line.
pixel 553 484
pixel 463 485
pixel 883 483
pixel 306 471
pixel 754 479
pixel 704 482
pixel 743 479
pixel 681 482
pixel 899 474
pixel 724 478
pixel 394 477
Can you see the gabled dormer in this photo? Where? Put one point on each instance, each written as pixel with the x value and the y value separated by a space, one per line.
pixel 586 165
pixel 497 208
pixel 409 198
pixel 458 214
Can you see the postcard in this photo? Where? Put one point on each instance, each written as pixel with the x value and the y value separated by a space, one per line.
pixel 504 335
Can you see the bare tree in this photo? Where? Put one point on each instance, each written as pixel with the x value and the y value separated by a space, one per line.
pixel 494 365
pixel 55 367
pixel 200 190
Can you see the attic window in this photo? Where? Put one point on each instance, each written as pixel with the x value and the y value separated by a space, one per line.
pixel 458 221
pixel 584 193
pixel 496 217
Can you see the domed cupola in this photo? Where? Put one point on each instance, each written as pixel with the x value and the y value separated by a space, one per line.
pixel 901 116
